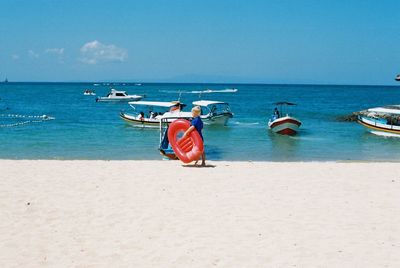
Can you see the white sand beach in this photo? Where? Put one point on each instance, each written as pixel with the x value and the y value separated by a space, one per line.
pixel 236 214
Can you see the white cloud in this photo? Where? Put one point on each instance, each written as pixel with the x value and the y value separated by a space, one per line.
pixel 58 51
pixel 32 54
pixel 94 52
pixel 15 57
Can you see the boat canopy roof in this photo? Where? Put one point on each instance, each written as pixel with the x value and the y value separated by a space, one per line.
pixel 113 90
pixel 207 102
pixel 186 115
pixel 284 103
pixel 166 104
pixel 393 109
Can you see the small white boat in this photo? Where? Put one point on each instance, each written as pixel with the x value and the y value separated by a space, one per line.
pixel 284 125
pixel 226 90
pixel 381 120
pixel 214 112
pixel 149 113
pixel 232 90
pixel 397 77
pixel 89 92
pixel 117 95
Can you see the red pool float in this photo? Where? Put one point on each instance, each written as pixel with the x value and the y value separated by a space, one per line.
pixel 188 149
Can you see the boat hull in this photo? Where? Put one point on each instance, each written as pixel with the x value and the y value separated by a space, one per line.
pixel 220 120
pixel 105 99
pixel 150 123
pixel 285 125
pixel 377 126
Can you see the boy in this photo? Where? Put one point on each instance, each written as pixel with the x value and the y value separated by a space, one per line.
pixel 198 125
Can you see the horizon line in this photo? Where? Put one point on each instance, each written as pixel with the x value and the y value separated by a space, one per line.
pixel 205 83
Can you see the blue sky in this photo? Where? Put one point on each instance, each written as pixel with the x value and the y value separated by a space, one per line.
pixel 332 42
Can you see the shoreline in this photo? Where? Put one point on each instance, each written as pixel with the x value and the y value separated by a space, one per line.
pixel 98 213
pixel 211 161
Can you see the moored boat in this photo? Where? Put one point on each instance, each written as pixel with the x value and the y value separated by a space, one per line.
pixel 149 113
pixel 214 112
pixel 284 125
pixel 381 120
pixel 118 95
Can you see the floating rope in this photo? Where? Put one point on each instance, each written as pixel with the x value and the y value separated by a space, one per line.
pixel 32 119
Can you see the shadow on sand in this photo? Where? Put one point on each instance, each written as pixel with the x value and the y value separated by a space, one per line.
pixel 199 166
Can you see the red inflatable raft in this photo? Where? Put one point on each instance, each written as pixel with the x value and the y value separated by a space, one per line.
pixel 188 149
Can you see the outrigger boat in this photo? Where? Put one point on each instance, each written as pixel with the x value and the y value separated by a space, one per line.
pixel 149 113
pixel 165 147
pixel 285 125
pixel 381 120
pixel 214 112
pixel 117 95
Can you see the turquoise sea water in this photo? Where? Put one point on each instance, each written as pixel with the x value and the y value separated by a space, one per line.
pixel 84 129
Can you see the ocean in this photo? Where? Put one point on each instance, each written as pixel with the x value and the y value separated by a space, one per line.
pixel 85 129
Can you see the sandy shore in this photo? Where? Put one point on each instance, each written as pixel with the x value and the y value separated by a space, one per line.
pixel 236 214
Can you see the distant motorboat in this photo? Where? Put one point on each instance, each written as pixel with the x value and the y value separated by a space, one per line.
pixel 381 120
pixel 227 90
pixel 397 77
pixel 283 124
pixel 206 91
pixel 117 95
pixel 89 92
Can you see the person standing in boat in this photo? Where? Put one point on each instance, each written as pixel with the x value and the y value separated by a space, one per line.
pixel 276 113
pixel 177 107
pixel 197 125
pixel 141 116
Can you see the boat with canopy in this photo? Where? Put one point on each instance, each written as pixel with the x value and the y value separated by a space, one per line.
pixel 214 112
pixel 281 121
pixel 149 113
pixel 380 120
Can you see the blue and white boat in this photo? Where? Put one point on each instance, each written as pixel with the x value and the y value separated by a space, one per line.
pixel 381 120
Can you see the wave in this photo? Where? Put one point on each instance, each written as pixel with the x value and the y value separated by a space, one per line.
pixel 169 91
pixel 245 124
pixel 299 137
pixel 206 91
pixel 385 134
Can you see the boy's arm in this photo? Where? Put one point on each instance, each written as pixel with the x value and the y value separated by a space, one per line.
pixel 187 131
